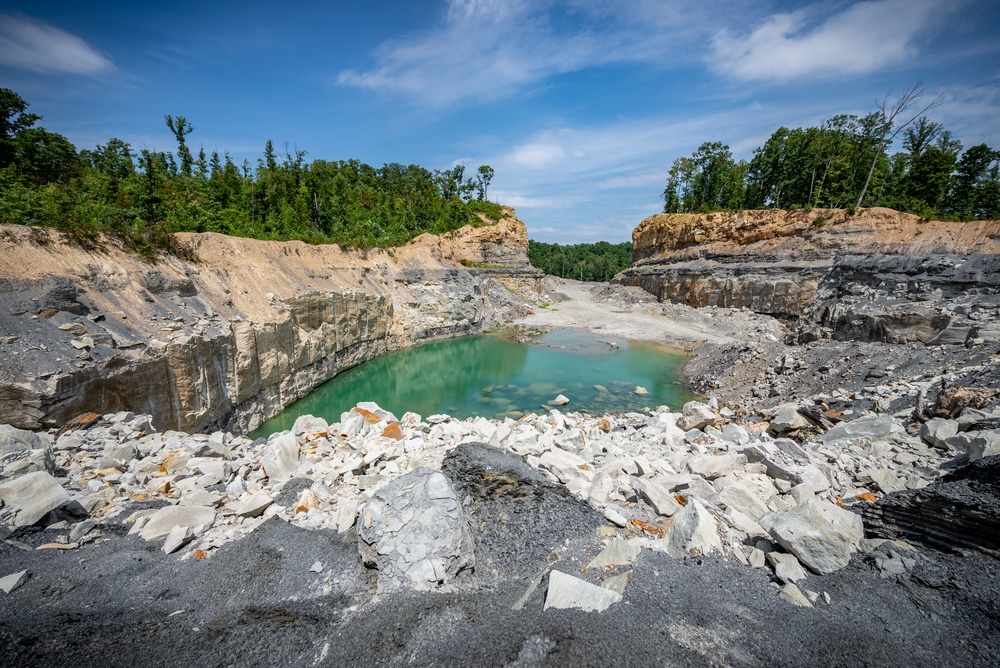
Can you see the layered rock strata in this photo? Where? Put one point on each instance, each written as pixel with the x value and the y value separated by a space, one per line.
pixel 936 300
pixel 778 262
pixel 240 330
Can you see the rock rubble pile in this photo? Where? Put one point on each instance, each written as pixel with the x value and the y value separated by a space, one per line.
pixel 697 482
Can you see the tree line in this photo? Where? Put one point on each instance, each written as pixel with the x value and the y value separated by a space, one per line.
pixel 846 163
pixel 584 262
pixel 143 196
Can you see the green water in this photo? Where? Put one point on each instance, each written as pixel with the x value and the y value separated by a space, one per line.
pixel 494 377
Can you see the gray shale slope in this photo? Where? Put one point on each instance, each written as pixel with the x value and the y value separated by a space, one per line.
pixel 833 503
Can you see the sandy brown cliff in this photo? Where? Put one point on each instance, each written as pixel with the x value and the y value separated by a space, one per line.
pixel 804 235
pixel 774 261
pixel 230 338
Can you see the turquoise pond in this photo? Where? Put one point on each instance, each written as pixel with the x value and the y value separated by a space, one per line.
pixel 494 377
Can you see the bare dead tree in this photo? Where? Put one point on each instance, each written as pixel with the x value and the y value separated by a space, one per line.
pixel 887 128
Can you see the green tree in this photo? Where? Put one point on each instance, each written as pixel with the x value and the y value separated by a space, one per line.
pixel 45 157
pixel 888 124
pixel 181 129
pixel 486 174
pixel 975 187
pixel 13 119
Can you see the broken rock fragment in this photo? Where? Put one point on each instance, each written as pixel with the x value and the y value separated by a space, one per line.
pixel 823 536
pixel 785 460
pixel 11 582
pixel 566 591
pixel 565 465
pixel 34 495
pixel 415 532
pixel 656 495
pixel 280 458
pixel 619 552
pixel 164 520
pixel 696 416
pixel 694 531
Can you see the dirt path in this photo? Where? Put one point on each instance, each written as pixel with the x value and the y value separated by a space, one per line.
pixel 627 318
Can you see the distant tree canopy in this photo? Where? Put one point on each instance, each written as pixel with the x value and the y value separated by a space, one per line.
pixel 845 163
pixel 585 262
pixel 144 196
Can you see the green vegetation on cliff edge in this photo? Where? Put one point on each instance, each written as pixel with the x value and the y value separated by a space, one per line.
pixel 845 163
pixel 142 197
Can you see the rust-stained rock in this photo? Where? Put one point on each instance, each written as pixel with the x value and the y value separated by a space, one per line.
pixel 81 421
pixel 392 430
pixel 370 418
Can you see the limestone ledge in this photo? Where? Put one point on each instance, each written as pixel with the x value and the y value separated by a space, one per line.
pixel 936 300
pixel 231 377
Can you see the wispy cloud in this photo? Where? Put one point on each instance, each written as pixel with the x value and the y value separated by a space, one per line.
pixel 971 111
pixel 597 182
pixel 484 50
pixel 865 37
pixel 40 47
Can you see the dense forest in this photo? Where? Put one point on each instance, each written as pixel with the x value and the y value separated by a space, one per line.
pixel 845 163
pixel 584 262
pixel 144 196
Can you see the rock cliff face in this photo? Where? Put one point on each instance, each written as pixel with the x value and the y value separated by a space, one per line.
pixel 231 337
pixel 790 263
pixel 936 300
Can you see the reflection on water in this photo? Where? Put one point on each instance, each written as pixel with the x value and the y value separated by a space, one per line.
pixel 493 377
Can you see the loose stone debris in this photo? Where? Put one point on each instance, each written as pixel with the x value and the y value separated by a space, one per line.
pixel 707 480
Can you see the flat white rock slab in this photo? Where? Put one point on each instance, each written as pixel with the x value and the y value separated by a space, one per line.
pixel 566 591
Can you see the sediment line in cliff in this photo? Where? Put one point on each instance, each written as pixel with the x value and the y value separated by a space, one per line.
pixel 876 275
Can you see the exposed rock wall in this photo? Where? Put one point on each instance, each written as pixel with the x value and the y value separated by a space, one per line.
pixel 782 263
pixel 937 300
pixel 780 291
pixel 502 245
pixel 231 338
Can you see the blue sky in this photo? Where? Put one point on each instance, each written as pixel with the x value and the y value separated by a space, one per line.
pixel 580 105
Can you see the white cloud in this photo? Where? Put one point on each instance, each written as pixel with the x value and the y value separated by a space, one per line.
pixel 39 47
pixel 485 50
pixel 970 112
pixel 575 184
pixel 865 37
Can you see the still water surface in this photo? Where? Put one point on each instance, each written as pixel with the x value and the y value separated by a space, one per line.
pixel 494 377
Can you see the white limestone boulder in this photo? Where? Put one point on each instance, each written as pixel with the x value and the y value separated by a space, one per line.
pixel 823 536
pixel 33 495
pixel 694 531
pixel 166 519
pixel 413 530
pixel 566 591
